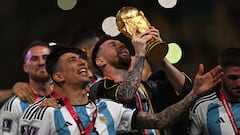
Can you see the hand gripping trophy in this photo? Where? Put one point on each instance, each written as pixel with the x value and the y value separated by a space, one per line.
pixel 127 19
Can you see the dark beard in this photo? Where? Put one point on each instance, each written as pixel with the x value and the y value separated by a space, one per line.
pixel 123 63
pixel 227 91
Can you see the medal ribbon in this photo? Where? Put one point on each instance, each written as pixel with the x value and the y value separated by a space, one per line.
pixel 229 112
pixel 74 115
pixel 140 107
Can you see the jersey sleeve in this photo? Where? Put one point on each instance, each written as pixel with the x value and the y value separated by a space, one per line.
pixel 11 112
pixel 37 121
pixel 195 123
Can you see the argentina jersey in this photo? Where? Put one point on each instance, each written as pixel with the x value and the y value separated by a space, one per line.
pixel 208 116
pixel 11 112
pixel 111 116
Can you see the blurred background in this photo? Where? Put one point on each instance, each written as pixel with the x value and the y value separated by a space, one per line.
pixel 202 28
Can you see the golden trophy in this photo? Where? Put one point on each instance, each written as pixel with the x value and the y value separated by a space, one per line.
pixel 127 19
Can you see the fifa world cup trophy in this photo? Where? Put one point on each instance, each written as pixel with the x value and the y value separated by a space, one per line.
pixel 127 19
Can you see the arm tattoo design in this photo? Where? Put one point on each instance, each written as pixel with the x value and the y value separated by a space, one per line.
pixel 166 117
pixel 132 81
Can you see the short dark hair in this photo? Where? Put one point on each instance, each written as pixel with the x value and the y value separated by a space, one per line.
pixel 85 34
pixel 229 57
pixel 56 52
pixel 96 49
pixel 33 44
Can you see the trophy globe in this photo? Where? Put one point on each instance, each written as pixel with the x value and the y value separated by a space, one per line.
pixel 127 19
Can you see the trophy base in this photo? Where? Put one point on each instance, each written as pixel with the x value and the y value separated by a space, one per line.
pixel 156 51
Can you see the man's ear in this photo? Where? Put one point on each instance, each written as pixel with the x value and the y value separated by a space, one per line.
pixel 57 77
pixel 100 62
pixel 25 68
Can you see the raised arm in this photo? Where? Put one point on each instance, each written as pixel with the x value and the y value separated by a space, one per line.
pixel 175 76
pixel 202 84
pixel 133 79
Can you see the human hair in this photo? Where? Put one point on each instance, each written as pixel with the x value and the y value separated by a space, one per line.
pixel 84 35
pixel 56 53
pixel 229 57
pixel 33 44
pixel 96 49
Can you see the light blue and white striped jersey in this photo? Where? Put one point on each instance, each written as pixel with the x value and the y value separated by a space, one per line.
pixel 111 116
pixel 11 112
pixel 208 116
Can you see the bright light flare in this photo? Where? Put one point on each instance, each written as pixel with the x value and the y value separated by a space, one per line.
pixel 174 53
pixel 66 4
pixel 167 3
pixel 109 26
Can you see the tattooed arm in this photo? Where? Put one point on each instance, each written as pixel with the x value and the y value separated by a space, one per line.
pixel 133 79
pixel 165 117
pixel 202 84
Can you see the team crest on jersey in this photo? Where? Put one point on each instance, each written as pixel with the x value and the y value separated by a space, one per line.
pixel 27 130
pixel 7 125
pixel 24 129
pixel 103 119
